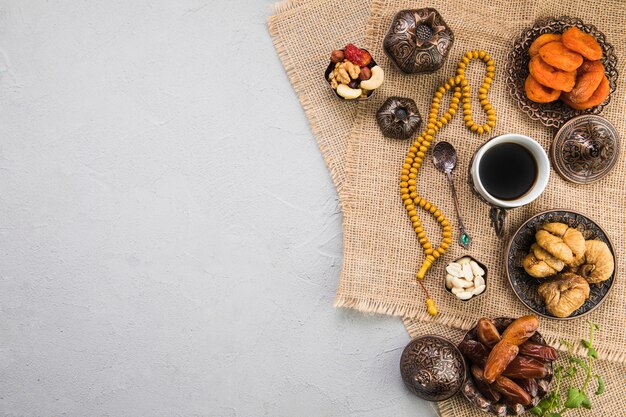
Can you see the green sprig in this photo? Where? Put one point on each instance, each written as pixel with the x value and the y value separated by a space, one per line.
pixel 552 405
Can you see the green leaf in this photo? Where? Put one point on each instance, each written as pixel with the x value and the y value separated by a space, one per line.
pixel 570 371
pixel 554 415
pixel 578 362
pixel 586 343
pixel 536 410
pixel 586 403
pixel 592 352
pixel 601 387
pixel 574 398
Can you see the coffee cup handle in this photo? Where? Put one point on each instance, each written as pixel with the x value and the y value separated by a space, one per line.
pixel 498 216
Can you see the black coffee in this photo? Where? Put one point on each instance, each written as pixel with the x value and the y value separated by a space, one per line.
pixel 507 171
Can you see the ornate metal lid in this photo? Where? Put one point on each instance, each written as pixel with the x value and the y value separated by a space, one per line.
pixel 585 149
pixel 398 118
pixel 432 368
pixel 418 41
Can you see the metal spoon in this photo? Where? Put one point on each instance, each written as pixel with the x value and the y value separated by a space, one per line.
pixel 444 157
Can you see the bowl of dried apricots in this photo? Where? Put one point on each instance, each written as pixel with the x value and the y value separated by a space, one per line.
pixel 561 68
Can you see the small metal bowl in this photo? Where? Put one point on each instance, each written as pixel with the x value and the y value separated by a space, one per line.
pixel 331 67
pixel 473 395
pixel 474 297
pixel 432 368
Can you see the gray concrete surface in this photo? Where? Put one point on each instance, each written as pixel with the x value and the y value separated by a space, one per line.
pixel 170 240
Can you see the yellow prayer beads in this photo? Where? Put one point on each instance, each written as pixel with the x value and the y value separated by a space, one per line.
pixel 419 147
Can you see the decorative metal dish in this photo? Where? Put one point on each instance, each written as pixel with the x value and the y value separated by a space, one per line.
pixel 418 41
pixel 556 113
pixel 432 368
pixel 473 395
pixel 585 149
pixel 525 287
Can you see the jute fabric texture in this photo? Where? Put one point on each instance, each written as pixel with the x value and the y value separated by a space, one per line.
pixel 381 252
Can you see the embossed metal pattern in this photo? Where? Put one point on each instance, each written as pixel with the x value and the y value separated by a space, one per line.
pixel 398 118
pixel 585 149
pixel 418 41
pixel 553 114
pixel 432 368
pixel 525 287
pixel 473 395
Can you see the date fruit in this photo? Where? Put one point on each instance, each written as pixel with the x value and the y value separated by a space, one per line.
pixel 475 351
pixel 482 385
pixel 487 332
pixel 357 56
pixel 529 385
pixel 523 367
pixel 511 390
pixel 538 351
pixel 499 358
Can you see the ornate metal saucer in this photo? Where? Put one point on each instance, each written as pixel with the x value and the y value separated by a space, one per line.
pixel 553 114
pixel 470 391
pixel 585 149
pixel 418 41
pixel 525 287
pixel 432 367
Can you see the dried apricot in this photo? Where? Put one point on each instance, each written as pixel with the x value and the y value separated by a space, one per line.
pixel 542 40
pixel 583 43
pixel 540 93
pixel 551 77
pixel 589 76
pixel 598 96
pixel 559 56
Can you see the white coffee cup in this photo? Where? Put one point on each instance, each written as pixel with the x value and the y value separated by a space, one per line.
pixel 543 170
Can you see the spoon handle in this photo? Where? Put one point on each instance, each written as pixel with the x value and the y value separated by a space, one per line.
pixel 464 238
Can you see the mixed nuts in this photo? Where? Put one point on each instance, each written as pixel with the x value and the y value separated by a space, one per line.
pixel 353 74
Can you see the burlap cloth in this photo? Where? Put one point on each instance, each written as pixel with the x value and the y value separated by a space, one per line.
pixel 381 252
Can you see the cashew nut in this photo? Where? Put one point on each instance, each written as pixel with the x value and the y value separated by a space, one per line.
pixel 378 76
pixel 347 92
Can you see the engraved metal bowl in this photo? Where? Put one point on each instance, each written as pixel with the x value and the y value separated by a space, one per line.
pixel 331 67
pixel 482 265
pixel 432 368
pixel 585 149
pixel 418 41
pixel 525 287
pixel 556 113
pixel 473 395
pixel 399 118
